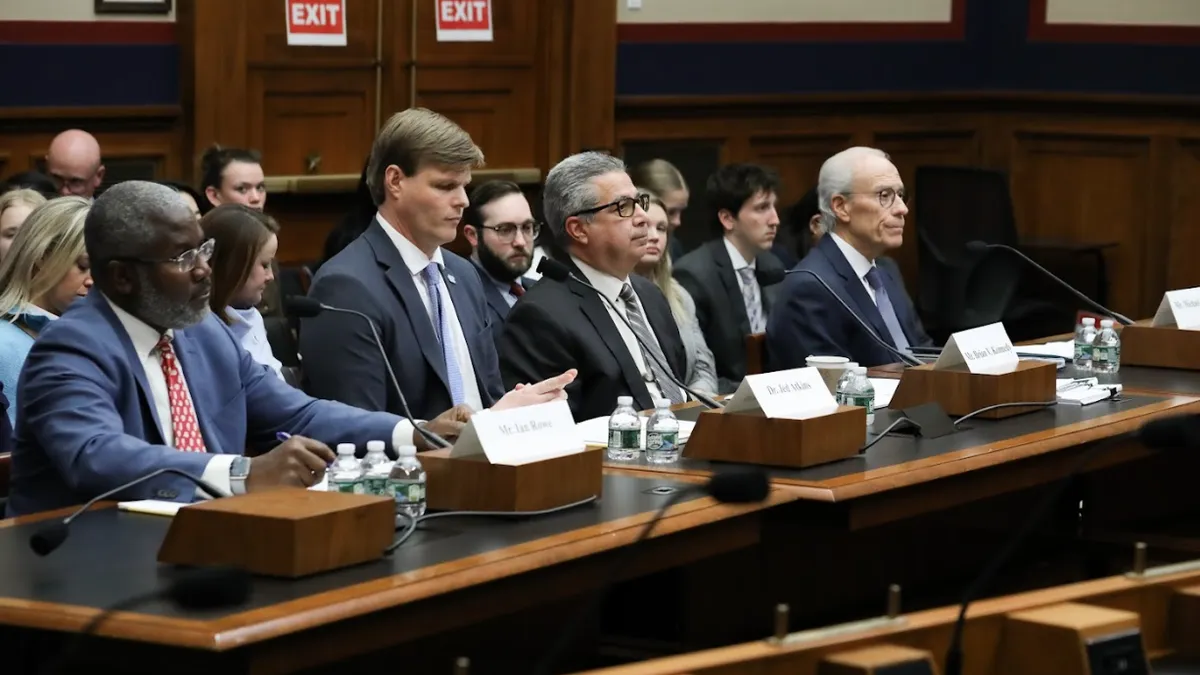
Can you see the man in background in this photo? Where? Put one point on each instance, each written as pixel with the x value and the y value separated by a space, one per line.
pixel 73 163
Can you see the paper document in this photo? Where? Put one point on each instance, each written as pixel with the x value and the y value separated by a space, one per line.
pixel 595 431
pixel 885 387
pixel 1085 391
pixel 153 507
pixel 1062 350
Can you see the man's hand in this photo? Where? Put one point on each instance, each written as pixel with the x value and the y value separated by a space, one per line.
pixel 448 425
pixel 297 462
pixel 545 391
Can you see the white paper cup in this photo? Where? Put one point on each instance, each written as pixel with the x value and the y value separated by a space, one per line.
pixel 830 367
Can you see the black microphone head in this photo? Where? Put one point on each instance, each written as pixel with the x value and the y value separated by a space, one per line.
pixel 553 269
pixel 210 588
pixel 298 305
pixel 772 276
pixel 739 486
pixel 977 246
pixel 1171 433
pixel 49 538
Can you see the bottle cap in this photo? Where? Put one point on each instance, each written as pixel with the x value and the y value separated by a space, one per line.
pixel 860 370
pixel 1106 323
pixel 1089 321
pixel 406 451
pixel 375 446
pixel 851 366
pixel 662 403
pixel 624 400
pixel 345 448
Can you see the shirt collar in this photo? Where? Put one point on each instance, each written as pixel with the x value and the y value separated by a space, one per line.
pixel 606 283
pixel 244 320
pixel 414 258
pixel 858 261
pixel 735 256
pixel 144 336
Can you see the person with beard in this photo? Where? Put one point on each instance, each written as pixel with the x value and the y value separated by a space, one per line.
pixel 500 227
pixel 141 376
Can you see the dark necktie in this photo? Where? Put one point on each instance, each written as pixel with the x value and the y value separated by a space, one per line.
pixel 884 303
pixel 517 289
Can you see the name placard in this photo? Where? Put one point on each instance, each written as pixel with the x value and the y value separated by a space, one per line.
pixel 792 394
pixel 520 435
pixel 986 349
pixel 1179 309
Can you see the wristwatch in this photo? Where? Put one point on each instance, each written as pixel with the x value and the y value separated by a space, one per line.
pixel 239 470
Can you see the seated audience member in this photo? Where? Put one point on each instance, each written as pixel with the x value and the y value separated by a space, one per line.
pixel 353 223
pixel 73 163
pixel 5 425
pixel 656 266
pixel 31 180
pixel 189 195
pixel 46 270
pixel 862 212
pixel 15 207
pixel 661 178
pixel 146 335
pixel 243 245
pixel 501 229
pixel 599 221
pixel 803 227
pixel 732 278
pixel 232 176
pixel 428 303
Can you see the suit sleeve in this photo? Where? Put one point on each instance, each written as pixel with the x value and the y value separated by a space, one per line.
pixel 703 375
pixel 534 347
pixel 800 325
pixel 341 361
pixel 489 368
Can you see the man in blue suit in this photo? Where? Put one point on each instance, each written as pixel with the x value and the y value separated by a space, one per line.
pixel 140 376
pixel 862 206
pixel 428 302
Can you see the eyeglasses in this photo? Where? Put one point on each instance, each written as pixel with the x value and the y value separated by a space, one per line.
pixel 624 206
pixel 886 196
pixel 507 232
pixel 73 184
pixel 184 262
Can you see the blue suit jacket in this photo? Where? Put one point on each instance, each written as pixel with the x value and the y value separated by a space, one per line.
pixel 87 422
pixel 806 321
pixel 497 306
pixel 341 361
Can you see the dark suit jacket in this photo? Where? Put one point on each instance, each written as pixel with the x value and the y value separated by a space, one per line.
pixel 707 274
pixel 5 427
pixel 807 321
pixel 497 306
pixel 557 325
pixel 341 361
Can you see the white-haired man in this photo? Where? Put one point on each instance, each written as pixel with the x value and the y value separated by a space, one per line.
pixel 862 206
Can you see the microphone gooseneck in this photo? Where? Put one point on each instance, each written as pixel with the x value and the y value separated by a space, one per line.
pixel 305 307
pixel 906 358
pixel 559 272
pixel 982 247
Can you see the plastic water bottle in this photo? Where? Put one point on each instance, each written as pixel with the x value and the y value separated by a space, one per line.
pixel 346 474
pixel 624 431
pixel 406 483
pixel 1106 350
pixel 376 469
pixel 662 434
pixel 1085 336
pixel 862 393
pixel 843 384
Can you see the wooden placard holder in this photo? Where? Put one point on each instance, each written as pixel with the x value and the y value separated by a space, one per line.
pixel 1160 347
pixel 879 660
pixel 471 483
pixel 281 533
pixel 1185 621
pixel 753 438
pixel 1070 639
pixel 961 392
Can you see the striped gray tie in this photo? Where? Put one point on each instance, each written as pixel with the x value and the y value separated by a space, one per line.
pixel 751 298
pixel 633 312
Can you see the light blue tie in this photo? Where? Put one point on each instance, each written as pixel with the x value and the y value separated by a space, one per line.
pixel 884 303
pixel 441 325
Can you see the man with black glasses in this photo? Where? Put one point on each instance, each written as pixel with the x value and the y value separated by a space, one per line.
pixel 501 229
pixel 599 220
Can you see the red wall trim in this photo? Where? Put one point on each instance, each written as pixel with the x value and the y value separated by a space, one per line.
pixel 1040 31
pixel 87 32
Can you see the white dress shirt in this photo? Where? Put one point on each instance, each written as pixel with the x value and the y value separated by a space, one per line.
pixel 416 261
pixel 739 263
pixel 858 262
pixel 250 330
pixel 611 287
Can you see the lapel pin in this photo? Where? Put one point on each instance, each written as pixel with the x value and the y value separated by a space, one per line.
pixel 450 278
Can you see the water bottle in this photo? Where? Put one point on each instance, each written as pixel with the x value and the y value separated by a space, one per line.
pixel 406 483
pixel 662 434
pixel 1106 350
pixel 862 393
pixel 843 383
pixel 376 469
pixel 624 431
pixel 1085 336
pixel 346 474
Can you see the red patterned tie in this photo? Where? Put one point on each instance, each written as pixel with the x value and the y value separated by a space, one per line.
pixel 517 289
pixel 183 416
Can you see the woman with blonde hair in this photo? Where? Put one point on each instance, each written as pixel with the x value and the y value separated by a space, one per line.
pixel 661 178
pixel 15 207
pixel 655 265
pixel 45 271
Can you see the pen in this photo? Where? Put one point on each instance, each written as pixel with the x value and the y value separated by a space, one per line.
pixel 282 436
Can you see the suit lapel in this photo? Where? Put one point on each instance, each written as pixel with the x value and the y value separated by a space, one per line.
pixel 186 353
pixel 98 301
pixel 460 295
pixel 596 311
pixel 859 300
pixel 729 283
pixel 404 286
pixel 495 299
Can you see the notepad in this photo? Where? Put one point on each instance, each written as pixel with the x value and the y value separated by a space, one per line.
pixel 153 507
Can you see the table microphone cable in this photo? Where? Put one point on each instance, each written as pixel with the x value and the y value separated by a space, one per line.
pixel 1011 404
pixel 410 526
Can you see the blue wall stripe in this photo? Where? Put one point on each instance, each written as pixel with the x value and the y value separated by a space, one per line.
pixel 89 75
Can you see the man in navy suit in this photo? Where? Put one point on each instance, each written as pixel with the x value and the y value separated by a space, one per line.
pixel 5 428
pixel 140 376
pixel 428 302
pixel 501 229
pixel 862 206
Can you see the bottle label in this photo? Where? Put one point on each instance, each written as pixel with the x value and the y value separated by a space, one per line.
pixel 375 486
pixel 863 401
pixel 406 491
pixel 625 439
pixel 662 440
pixel 354 487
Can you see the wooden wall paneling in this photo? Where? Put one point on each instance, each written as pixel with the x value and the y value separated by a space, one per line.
pixel 1184 235
pixel 495 106
pixel 1082 187
pixel 213 35
pixel 593 75
pixel 270 46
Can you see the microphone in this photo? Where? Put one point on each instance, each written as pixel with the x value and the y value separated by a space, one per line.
pixel 743 485
pixel 979 247
pixel 306 308
pixel 906 358
pixel 50 537
pixel 559 272
pixel 1176 432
